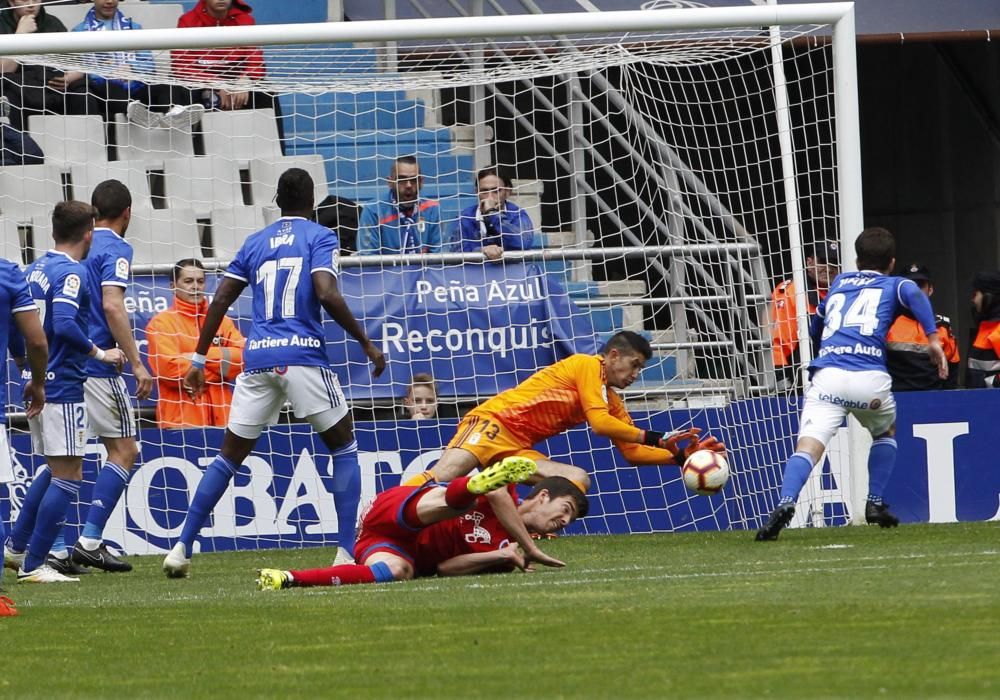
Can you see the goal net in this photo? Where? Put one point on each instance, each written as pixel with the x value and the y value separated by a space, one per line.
pixel 663 181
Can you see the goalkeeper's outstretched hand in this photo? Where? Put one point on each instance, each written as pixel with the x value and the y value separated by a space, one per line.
pixel 709 443
pixel 671 441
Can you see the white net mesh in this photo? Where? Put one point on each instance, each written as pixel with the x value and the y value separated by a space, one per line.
pixel 647 165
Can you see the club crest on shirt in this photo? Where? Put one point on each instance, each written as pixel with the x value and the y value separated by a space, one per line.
pixel 479 533
pixel 71 287
pixel 121 268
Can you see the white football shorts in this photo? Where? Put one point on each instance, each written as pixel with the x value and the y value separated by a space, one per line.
pixel 60 430
pixel 109 407
pixel 259 396
pixel 836 392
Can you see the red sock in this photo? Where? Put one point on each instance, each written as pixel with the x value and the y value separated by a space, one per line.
pixel 457 495
pixel 341 575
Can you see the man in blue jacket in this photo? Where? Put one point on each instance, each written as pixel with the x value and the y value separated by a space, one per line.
pixel 494 224
pixel 406 223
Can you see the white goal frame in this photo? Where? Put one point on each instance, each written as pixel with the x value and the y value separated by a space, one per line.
pixel 839 16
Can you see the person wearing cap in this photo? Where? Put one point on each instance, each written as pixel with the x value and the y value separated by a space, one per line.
pixel 908 361
pixel 983 370
pixel 822 265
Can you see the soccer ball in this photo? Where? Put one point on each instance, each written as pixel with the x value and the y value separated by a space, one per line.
pixel 705 472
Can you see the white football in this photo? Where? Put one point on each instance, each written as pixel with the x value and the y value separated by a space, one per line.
pixel 705 472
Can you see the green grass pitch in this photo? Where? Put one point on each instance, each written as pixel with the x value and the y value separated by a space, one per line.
pixel 847 612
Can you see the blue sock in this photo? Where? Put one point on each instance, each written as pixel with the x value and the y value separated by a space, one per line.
pixel 51 517
pixel 881 460
pixel 215 482
pixel 58 544
pixel 796 474
pixel 107 491
pixel 21 531
pixel 346 493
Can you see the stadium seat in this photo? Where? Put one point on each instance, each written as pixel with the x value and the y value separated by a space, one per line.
pixel 140 143
pixel 164 236
pixel 231 226
pixel 242 135
pixel 132 175
pixel 27 191
pixel 264 174
pixel 69 138
pixel 41 236
pixel 10 241
pixel 202 184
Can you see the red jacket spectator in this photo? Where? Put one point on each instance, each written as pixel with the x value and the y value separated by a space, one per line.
pixel 216 64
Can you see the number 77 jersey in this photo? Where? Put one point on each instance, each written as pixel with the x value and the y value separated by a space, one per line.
pixel 852 322
pixel 277 262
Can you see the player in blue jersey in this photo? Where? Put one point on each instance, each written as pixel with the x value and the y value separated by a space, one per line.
pixel 58 283
pixel 849 373
pixel 22 333
pixel 109 407
pixel 291 267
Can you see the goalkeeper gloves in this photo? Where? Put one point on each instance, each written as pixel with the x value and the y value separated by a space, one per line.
pixel 669 441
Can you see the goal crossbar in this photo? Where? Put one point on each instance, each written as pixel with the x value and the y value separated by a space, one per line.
pixel 569 23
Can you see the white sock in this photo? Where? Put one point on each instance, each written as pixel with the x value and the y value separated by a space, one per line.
pixel 89 543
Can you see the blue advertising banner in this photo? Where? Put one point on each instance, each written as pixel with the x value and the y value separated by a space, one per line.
pixel 947 470
pixel 478 329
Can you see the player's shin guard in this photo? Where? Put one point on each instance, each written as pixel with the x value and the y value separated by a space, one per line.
pixel 51 516
pixel 20 533
pixel 215 482
pixel 881 460
pixel 796 473
pixel 346 493
pixel 343 575
pixel 108 490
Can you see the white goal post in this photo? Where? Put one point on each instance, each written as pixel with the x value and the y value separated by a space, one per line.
pixel 652 223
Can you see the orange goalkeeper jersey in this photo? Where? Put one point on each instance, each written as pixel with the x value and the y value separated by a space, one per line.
pixel 570 392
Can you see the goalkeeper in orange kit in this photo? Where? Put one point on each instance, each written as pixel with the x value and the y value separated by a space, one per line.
pixel 579 389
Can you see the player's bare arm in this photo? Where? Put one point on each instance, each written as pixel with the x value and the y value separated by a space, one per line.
pixel 36 346
pixel 506 512
pixel 329 296
pixel 228 292
pixel 113 303
pixel 503 559
pixel 937 355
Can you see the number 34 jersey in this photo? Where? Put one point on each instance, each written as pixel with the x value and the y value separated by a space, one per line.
pixel 277 262
pixel 853 320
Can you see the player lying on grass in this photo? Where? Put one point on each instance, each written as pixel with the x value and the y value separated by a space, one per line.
pixel 453 530
pixel 579 389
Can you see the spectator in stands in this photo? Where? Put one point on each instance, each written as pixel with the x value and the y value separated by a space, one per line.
pixel 420 401
pixel 908 361
pixel 822 265
pixel 34 89
pixel 145 104
pixel 406 223
pixel 242 65
pixel 173 335
pixel 983 370
pixel 495 224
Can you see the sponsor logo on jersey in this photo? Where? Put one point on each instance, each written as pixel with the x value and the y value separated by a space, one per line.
pixel 71 287
pixel 848 403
